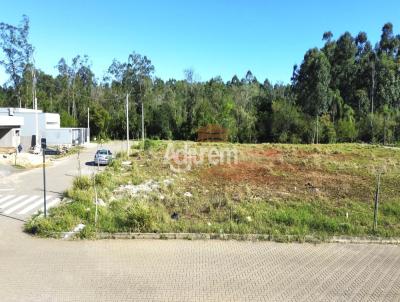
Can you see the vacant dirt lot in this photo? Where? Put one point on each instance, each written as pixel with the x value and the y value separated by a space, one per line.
pixel 277 190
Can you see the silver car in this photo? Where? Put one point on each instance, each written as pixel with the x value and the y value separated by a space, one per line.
pixel 103 157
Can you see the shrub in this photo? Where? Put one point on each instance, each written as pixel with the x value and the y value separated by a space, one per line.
pixel 103 179
pixel 327 130
pixel 347 131
pixel 140 217
pixel 149 144
pixel 82 183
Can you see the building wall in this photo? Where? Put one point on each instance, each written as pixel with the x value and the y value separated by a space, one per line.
pixel 48 127
pixel 45 120
pixel 8 137
pixel 66 136
pixel 27 142
pixel 62 136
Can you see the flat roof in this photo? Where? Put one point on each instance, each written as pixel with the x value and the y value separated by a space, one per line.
pixel 20 110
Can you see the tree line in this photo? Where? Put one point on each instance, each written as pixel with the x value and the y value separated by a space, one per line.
pixel 346 91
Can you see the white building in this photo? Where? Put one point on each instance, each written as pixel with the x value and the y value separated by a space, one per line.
pixel 10 129
pixel 48 126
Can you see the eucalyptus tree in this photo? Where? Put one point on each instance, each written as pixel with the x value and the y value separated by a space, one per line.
pixel 17 52
pixel 311 84
pixel 343 70
pixel 75 83
pixel 132 77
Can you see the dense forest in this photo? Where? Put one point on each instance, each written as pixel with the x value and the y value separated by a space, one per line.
pixel 349 90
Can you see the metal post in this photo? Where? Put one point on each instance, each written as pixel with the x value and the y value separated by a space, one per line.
pixel 36 125
pixel 377 202
pixel 35 104
pixel 44 184
pixel 88 126
pixel 142 124
pixel 127 124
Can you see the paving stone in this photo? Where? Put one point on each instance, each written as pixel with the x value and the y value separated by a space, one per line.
pixel 180 270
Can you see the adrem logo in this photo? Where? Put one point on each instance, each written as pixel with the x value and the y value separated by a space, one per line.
pixel 188 156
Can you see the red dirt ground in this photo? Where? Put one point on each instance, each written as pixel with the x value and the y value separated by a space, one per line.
pixel 271 153
pixel 266 169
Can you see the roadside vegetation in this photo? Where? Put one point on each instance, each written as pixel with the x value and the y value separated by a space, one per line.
pixel 66 152
pixel 273 189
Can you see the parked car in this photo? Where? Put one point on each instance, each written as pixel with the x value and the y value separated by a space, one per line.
pixel 103 157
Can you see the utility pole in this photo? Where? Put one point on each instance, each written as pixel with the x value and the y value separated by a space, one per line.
pixel 142 124
pixel 88 126
pixel 140 94
pixel 34 101
pixel 127 124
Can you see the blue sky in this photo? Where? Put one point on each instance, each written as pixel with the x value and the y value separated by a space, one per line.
pixel 215 38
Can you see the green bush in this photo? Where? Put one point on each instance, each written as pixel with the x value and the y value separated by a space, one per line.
pixel 51 226
pixel 82 183
pixel 140 217
pixel 104 179
pixel 86 196
pixel 150 144
pixel 327 130
pixel 347 131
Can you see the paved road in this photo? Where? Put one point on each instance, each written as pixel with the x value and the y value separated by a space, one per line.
pixel 21 193
pixel 33 269
pixel 176 270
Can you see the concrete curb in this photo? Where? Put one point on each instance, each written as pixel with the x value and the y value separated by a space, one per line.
pixel 363 240
pixel 247 237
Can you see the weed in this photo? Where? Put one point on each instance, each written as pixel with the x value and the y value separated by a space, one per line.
pixel 82 183
pixel 281 192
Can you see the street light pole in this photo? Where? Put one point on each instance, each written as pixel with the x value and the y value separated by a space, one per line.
pixel 88 126
pixel 142 124
pixel 140 94
pixel 36 125
pixel 35 107
pixel 127 124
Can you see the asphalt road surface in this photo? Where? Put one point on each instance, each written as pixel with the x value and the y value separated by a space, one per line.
pixel 21 192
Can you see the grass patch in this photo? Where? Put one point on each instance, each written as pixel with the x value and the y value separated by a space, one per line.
pixel 282 192
pixel 19 167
